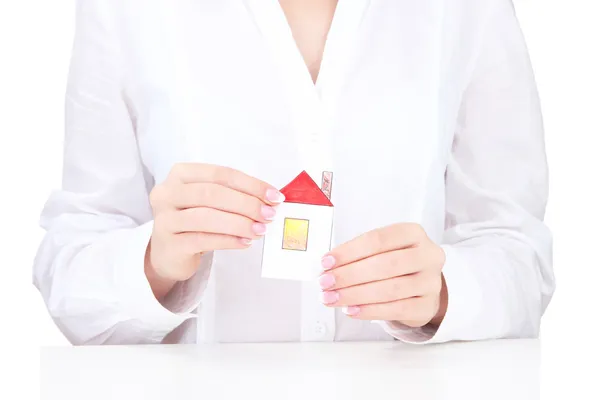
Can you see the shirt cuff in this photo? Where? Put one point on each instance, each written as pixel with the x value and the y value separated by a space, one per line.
pixel 134 291
pixel 464 305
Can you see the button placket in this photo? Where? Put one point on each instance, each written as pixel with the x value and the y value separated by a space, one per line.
pixel 313 140
pixel 318 321
pixel 320 328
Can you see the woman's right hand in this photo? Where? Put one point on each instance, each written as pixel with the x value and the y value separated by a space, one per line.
pixel 201 208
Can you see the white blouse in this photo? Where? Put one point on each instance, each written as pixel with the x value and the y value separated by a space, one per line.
pixel 426 111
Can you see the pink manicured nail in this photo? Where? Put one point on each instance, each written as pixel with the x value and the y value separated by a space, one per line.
pixel 246 241
pixel 352 310
pixel 329 297
pixel 267 212
pixel 275 196
pixel 326 281
pixel 259 229
pixel 328 262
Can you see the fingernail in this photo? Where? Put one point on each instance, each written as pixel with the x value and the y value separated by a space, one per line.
pixel 328 262
pixel 329 297
pixel 275 196
pixel 267 212
pixel 326 281
pixel 245 241
pixel 259 229
pixel 352 310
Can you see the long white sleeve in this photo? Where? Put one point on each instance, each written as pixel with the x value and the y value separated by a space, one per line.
pixel 499 252
pixel 90 266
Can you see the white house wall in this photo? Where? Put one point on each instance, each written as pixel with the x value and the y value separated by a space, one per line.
pixel 297 264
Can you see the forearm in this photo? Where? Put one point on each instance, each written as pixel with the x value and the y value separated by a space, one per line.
pixel 95 288
pixel 498 287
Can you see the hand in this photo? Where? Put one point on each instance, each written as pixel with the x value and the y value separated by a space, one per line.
pixel 201 208
pixel 390 274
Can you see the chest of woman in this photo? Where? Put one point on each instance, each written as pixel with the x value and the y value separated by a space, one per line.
pixel 224 83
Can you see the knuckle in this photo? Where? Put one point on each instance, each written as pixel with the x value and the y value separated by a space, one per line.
pixel 434 285
pixel 428 306
pixel 414 257
pixel 216 175
pixel 163 222
pixel 414 227
pixel 422 283
pixel 378 240
pixel 237 222
pixel 394 261
pixel 159 223
pixel 176 193
pixel 396 287
pixel 200 215
pixel 177 170
pixel 204 193
pixel 415 230
pixel 158 196
pixel 235 225
pixel 438 257
pixel 222 175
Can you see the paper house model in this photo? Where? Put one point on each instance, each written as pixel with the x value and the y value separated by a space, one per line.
pixel 300 235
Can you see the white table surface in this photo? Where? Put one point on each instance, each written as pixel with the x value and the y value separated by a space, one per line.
pixel 465 371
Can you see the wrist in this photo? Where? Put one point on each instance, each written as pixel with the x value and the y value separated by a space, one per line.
pixel 443 305
pixel 160 285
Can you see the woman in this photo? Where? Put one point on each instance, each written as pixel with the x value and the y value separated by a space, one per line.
pixel 185 118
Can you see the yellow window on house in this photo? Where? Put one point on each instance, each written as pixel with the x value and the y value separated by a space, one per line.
pixel 295 234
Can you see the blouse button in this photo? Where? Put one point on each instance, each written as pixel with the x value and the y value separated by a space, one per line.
pixel 320 328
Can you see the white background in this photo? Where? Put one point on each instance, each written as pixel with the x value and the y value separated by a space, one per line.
pixel 564 41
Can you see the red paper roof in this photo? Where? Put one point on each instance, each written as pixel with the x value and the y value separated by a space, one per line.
pixel 304 190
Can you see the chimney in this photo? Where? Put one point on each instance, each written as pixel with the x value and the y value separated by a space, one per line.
pixel 326 183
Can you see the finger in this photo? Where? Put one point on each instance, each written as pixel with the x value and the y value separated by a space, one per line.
pixel 393 237
pixel 222 198
pixel 384 291
pixel 209 220
pixel 411 309
pixel 229 177
pixel 377 268
pixel 191 243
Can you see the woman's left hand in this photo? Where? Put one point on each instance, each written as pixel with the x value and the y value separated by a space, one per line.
pixel 390 274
